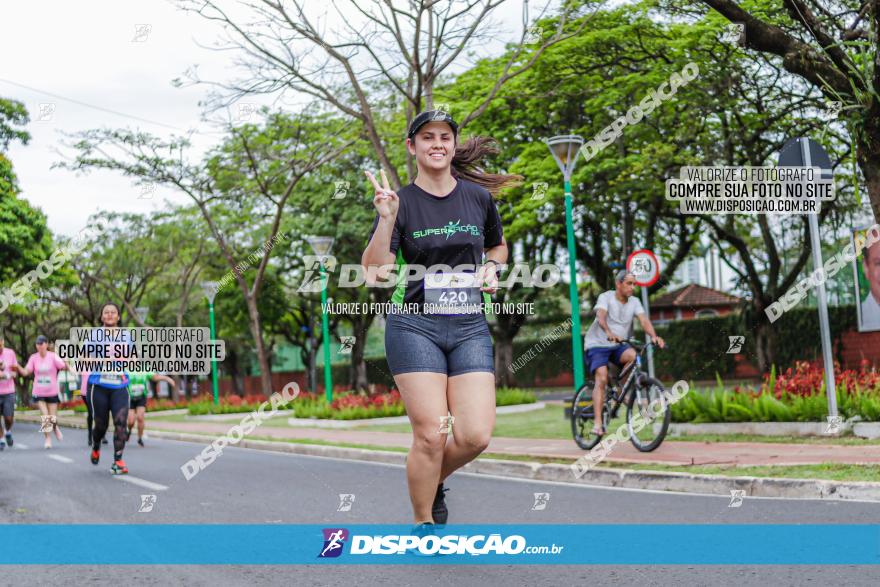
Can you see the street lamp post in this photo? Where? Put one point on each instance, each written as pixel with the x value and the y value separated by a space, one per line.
pixel 209 287
pixel 565 149
pixel 322 245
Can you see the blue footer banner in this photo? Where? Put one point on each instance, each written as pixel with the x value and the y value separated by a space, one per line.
pixel 252 544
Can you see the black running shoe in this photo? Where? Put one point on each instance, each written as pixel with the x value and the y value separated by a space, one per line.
pixel 439 511
pixel 105 441
pixel 141 441
pixel 9 439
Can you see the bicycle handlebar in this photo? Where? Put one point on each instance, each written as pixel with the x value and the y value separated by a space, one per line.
pixel 639 345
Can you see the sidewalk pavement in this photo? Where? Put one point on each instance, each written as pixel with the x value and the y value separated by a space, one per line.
pixel 670 452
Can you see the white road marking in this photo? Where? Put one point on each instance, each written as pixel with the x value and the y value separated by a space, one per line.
pixel 654 491
pixel 571 485
pixel 141 482
pixel 60 459
pixel 19 445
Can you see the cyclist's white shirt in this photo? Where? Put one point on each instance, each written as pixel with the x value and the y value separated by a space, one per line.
pixel 619 319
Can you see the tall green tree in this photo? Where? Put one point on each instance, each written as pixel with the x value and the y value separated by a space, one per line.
pixel 13 117
pixel 25 240
pixel 241 188
pixel 382 57
pixel 832 45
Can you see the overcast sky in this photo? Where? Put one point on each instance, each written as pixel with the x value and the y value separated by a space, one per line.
pixel 96 53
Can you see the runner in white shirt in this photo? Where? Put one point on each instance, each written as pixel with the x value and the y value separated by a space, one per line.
pixel 615 310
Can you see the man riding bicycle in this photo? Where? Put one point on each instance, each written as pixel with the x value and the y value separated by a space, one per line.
pixel 615 310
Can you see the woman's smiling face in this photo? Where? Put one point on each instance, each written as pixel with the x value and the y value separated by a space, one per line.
pixel 433 146
pixel 109 315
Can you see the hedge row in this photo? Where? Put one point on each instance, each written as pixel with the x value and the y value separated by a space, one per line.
pixel 697 349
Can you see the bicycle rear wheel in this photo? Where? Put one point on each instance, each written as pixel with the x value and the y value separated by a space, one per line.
pixel 583 418
pixel 650 403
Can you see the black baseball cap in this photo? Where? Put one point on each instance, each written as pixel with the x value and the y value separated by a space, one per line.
pixel 42 339
pixel 431 116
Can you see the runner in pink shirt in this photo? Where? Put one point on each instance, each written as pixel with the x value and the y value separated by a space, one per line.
pixel 44 365
pixel 8 371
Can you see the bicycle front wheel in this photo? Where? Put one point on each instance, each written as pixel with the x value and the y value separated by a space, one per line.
pixel 583 418
pixel 648 415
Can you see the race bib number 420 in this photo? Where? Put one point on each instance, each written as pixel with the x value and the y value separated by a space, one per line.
pixel 452 293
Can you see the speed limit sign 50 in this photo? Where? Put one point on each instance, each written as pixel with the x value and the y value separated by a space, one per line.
pixel 644 267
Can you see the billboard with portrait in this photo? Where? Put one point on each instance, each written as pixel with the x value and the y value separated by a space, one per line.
pixel 866 270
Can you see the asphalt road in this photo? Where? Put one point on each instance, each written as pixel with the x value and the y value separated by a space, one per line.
pixel 61 486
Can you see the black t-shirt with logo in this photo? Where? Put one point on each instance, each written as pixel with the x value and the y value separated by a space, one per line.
pixel 451 230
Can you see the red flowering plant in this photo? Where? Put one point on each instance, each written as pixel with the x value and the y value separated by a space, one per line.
pixel 379 400
pixel 807 378
pixel 158 404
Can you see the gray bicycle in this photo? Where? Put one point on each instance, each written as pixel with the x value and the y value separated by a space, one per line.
pixel 632 387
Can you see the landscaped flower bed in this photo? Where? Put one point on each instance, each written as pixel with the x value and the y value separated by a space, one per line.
pixel 161 404
pixel 345 405
pixel 798 395
pixel 229 404
pixel 153 405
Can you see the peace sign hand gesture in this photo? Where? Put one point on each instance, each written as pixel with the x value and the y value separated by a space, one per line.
pixel 386 201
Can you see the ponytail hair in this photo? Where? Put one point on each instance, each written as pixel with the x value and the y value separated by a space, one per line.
pixel 469 154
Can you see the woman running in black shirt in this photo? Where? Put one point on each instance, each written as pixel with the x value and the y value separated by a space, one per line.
pixel 438 230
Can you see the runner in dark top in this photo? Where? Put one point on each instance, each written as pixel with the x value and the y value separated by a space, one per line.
pixel 108 397
pixel 437 231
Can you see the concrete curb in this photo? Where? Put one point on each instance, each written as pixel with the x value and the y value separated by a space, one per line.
pixel 601 477
pixel 174 412
pixel 230 417
pixel 867 429
pixel 764 429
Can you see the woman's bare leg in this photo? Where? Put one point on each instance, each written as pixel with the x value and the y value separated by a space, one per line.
pixel 53 416
pixel 141 411
pixel 424 395
pixel 471 399
pixel 44 417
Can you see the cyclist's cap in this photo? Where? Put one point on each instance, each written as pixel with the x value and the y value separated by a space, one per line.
pixel 42 339
pixel 620 276
pixel 431 116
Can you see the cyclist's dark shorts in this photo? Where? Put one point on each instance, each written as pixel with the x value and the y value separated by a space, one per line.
pixel 7 404
pixel 453 344
pixel 138 401
pixel 599 356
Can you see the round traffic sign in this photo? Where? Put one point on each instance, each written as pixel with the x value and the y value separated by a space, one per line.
pixel 644 267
